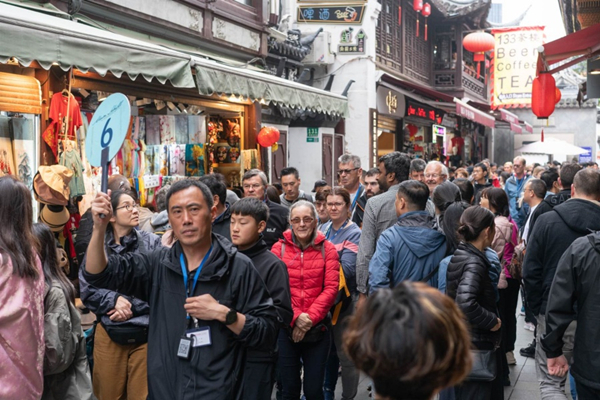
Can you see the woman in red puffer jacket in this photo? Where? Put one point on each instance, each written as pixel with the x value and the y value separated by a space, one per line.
pixel 313 266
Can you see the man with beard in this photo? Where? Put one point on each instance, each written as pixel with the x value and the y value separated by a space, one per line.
pixel 371 189
pixel 380 214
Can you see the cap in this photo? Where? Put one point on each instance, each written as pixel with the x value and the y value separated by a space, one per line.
pixel 319 184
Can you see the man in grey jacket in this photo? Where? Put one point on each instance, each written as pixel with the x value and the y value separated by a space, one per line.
pixel 380 214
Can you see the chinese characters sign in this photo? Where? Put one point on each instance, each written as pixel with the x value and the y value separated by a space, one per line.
pixel 312 135
pixel 348 14
pixel 348 45
pixel 421 111
pixel 515 59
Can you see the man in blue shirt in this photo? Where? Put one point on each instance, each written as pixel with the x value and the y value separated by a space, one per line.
pixel 514 188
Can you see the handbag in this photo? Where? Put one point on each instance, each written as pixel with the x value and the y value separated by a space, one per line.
pixel 484 366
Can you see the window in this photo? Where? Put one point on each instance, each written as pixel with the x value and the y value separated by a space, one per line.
pixel 246 2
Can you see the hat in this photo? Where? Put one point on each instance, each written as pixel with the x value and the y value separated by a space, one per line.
pixel 51 185
pixel 55 217
pixel 319 184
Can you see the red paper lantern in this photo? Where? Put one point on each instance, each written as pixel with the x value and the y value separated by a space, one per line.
pixel 268 136
pixel 558 95
pixel 478 43
pixel 426 13
pixel 543 95
pixel 418 6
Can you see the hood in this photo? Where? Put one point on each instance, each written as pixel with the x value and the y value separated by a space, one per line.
pixel 595 241
pixel 580 215
pixel 416 230
pixel 159 220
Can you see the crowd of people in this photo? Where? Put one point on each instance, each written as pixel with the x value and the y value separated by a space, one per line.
pixel 410 272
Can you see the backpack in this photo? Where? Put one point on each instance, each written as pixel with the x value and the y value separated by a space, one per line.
pixel 515 267
pixel 343 299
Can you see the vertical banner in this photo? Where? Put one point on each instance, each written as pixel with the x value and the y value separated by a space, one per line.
pixel 515 59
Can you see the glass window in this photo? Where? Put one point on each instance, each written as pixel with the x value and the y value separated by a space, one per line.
pixel 246 2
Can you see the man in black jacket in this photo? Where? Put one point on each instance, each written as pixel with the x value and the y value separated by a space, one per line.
pixel 218 189
pixel 208 303
pixel 575 287
pixel 248 221
pixel 371 189
pixel 565 181
pixel 552 234
pixel 254 183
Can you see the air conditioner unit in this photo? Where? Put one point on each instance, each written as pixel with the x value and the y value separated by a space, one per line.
pixel 320 53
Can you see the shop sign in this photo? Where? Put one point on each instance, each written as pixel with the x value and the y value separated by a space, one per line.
pixel 348 45
pixel 586 157
pixel 390 102
pixel 422 111
pixel 312 135
pixel 438 130
pixel 342 14
pixel 474 115
pixel 515 61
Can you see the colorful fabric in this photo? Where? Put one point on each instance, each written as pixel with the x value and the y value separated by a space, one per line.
pixel 177 159
pixel 152 130
pixel 70 159
pixel 149 160
pixel 58 112
pixel 181 129
pixel 167 129
pixel 23 149
pixel 163 160
pixel 196 129
pixel 194 159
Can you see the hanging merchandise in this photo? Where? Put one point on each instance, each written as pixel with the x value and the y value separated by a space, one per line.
pixel 194 160
pixel 152 130
pixel 64 109
pixel 181 129
pixel 426 13
pixel 51 185
pixel 177 159
pixel 7 161
pixel 167 129
pixel 478 43
pixel 163 166
pixel 23 149
pixel 196 129
pixel 149 161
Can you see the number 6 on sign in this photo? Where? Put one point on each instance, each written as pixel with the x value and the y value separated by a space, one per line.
pixel 107 132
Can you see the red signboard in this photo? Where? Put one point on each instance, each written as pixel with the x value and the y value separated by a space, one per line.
pixel 509 117
pixel 466 111
pixel 516 128
pixel 421 111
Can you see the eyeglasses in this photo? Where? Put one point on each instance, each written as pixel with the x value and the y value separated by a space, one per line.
pixel 336 205
pixel 128 207
pixel 306 220
pixel 346 171
pixel 254 186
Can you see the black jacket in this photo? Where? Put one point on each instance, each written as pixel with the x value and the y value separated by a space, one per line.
pixel 468 282
pixel 222 222
pixel 277 223
pixel 478 188
pixel 547 205
pixel 552 234
pixel 215 371
pixel 275 275
pixel 359 210
pixel 576 286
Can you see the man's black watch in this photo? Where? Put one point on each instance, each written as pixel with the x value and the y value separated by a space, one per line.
pixel 231 317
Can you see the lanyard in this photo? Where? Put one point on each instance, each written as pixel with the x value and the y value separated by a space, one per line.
pixel 356 197
pixel 336 232
pixel 185 272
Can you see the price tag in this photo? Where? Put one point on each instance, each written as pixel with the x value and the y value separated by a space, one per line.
pixel 151 181
pixel 108 128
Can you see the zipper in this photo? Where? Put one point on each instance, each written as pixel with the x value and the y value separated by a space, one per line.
pixel 302 277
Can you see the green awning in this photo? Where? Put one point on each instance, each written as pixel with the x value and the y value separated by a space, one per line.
pixel 33 36
pixel 215 78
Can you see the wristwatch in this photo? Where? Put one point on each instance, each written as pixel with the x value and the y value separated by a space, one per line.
pixel 231 317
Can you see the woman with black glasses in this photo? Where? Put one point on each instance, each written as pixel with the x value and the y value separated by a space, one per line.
pixel 120 338
pixel 313 266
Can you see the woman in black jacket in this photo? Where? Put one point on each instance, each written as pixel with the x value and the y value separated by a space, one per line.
pixel 470 285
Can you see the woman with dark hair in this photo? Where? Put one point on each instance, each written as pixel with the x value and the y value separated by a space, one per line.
pixel 503 177
pixel 504 243
pixel 345 236
pixel 273 194
pixel 434 350
pixel 443 196
pixel 467 192
pixel 120 338
pixel 21 296
pixel 313 266
pixel 66 369
pixel 470 285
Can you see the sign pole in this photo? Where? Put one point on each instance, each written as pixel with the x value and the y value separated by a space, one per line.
pixel 105 163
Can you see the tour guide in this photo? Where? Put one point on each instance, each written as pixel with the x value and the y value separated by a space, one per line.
pixel 207 301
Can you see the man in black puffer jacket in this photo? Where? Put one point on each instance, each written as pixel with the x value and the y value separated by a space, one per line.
pixel 552 234
pixel 575 286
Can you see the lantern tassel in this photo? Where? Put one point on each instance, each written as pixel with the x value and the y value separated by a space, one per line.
pixel 478 69
pixel 417 24
pixel 425 29
pixel 399 15
pixel 542 135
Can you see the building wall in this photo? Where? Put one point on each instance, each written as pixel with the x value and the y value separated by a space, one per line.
pixel 306 156
pixel 503 145
pixel 574 125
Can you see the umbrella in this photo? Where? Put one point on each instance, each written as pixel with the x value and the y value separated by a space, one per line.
pixel 551 146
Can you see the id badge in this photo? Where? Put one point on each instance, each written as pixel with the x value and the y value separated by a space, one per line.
pixel 185 348
pixel 199 336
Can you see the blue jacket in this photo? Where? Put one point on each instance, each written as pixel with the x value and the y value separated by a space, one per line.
pixel 409 250
pixel 513 190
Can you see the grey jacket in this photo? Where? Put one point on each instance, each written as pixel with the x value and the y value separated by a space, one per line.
pixel 380 214
pixel 66 369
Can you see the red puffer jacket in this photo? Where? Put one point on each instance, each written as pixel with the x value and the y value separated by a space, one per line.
pixel 314 282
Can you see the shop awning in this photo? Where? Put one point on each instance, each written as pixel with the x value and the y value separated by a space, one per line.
pixel 468 112
pixel 20 94
pixel 215 78
pixel 583 44
pixel 512 119
pixel 33 36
